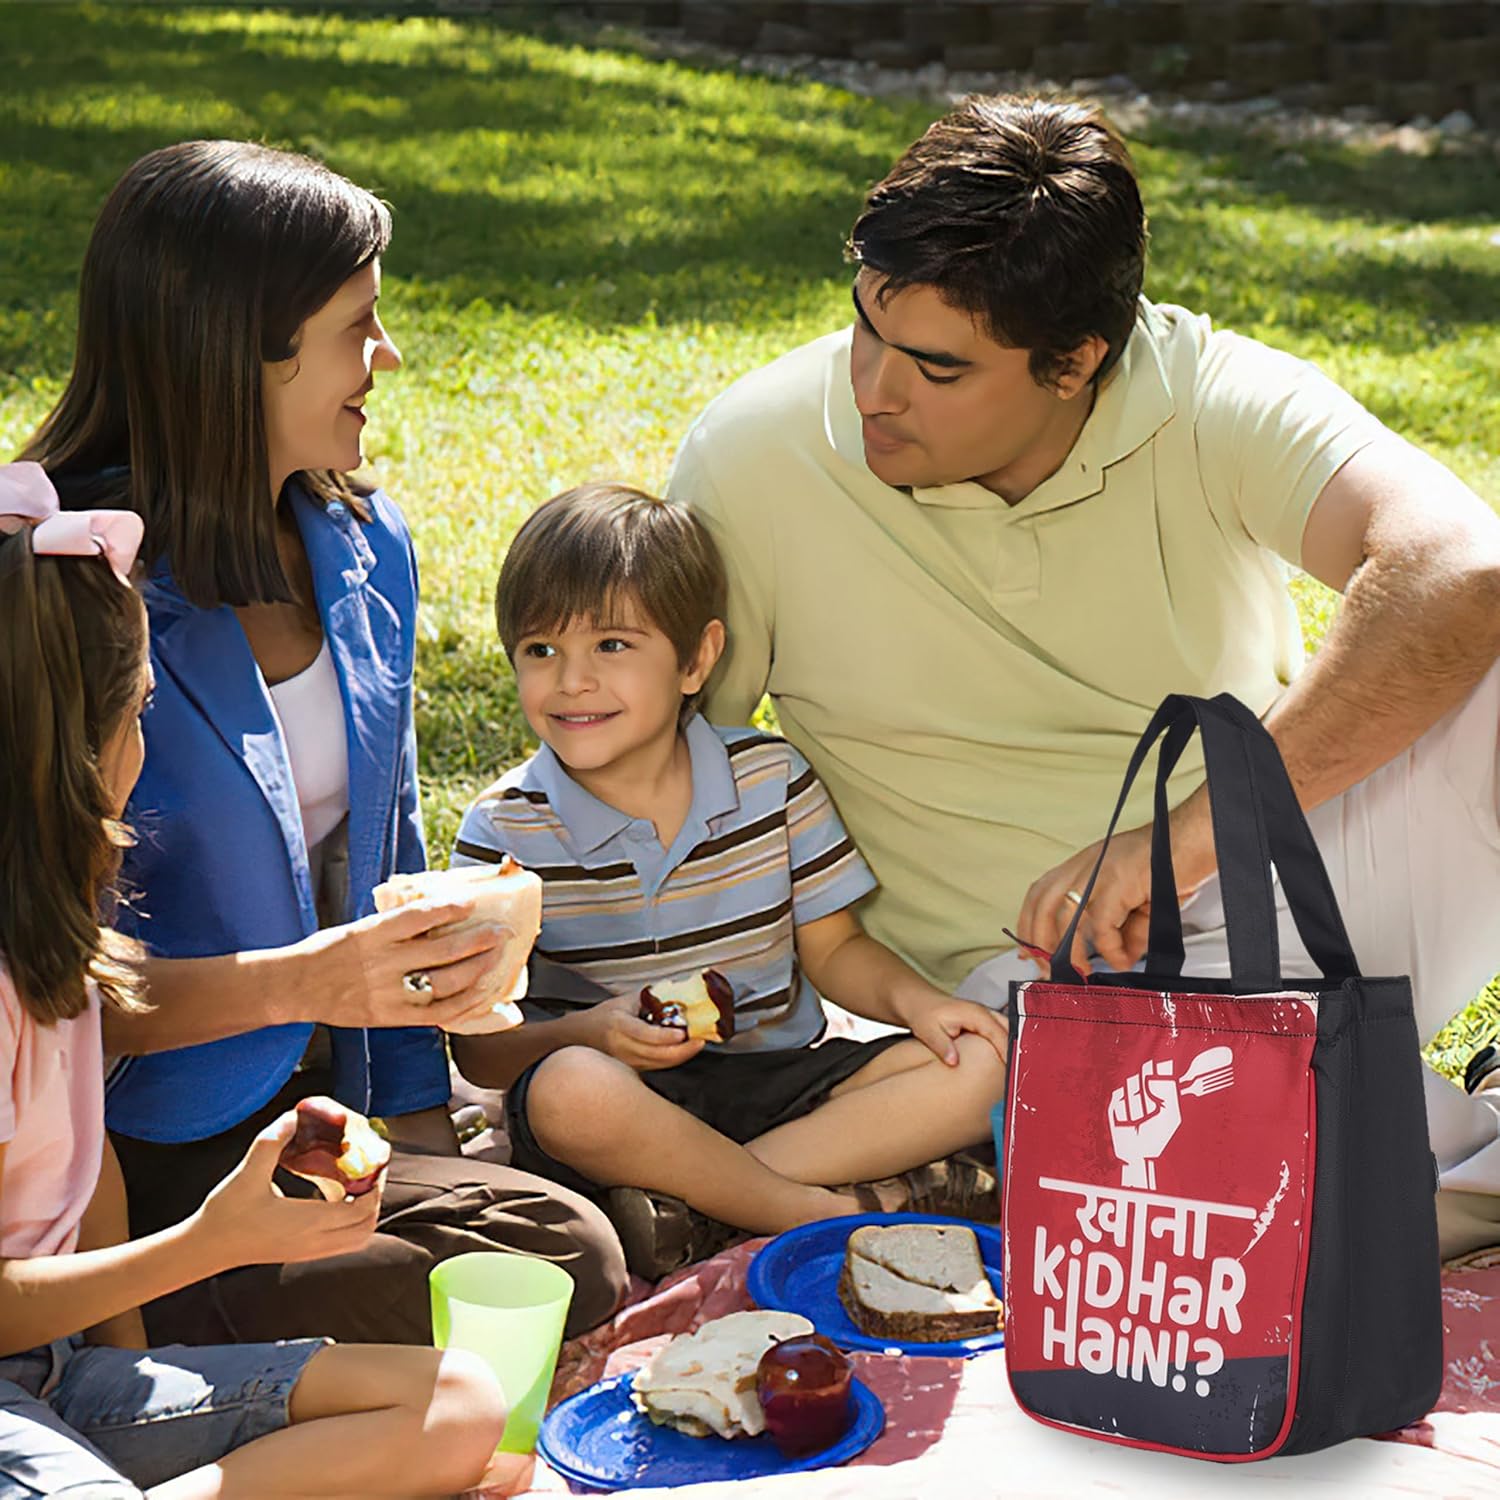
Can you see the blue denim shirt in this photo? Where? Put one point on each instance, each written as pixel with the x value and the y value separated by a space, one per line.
pixel 220 864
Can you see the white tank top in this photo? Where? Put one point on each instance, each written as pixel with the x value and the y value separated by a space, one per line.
pixel 311 712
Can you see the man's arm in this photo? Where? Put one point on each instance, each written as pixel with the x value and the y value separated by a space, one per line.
pixel 1417 557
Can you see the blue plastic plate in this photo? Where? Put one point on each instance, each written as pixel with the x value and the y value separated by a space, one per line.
pixel 598 1439
pixel 799 1272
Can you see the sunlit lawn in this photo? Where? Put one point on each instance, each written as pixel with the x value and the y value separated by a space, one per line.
pixel 589 245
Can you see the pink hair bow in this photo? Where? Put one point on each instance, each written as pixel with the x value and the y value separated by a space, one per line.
pixel 28 499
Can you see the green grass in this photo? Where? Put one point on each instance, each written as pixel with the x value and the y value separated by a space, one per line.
pixel 589 245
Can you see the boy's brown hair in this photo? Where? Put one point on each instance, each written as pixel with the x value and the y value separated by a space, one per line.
pixel 1024 212
pixel 72 669
pixel 588 550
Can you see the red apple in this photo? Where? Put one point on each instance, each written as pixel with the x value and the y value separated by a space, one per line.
pixel 334 1144
pixel 803 1386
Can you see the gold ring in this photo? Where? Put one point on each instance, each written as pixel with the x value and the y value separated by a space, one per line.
pixel 1074 897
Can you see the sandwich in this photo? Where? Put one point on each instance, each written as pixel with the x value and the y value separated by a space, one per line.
pixel 922 1283
pixel 504 895
pixel 702 1004
pixel 703 1383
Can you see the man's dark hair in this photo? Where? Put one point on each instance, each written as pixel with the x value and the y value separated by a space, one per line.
pixel 1023 212
pixel 591 550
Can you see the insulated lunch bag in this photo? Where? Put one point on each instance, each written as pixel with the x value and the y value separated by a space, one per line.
pixel 1218 1215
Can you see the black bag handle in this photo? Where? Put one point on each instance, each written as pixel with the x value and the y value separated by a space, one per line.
pixel 1256 818
pixel 1310 898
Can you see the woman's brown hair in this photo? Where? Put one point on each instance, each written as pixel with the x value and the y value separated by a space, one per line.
pixel 206 259
pixel 72 672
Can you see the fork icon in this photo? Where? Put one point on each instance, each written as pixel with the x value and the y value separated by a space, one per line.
pixel 1210 1071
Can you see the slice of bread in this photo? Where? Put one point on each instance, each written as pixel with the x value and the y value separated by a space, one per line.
pixel 923 1283
pixel 504 894
pixel 704 1383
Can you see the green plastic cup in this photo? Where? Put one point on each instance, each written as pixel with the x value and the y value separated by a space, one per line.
pixel 509 1310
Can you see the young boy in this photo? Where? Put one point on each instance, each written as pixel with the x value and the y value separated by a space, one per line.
pixel 667 846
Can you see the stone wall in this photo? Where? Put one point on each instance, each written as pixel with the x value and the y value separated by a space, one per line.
pixel 1403 58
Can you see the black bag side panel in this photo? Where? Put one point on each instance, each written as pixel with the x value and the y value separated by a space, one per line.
pixel 1371 1356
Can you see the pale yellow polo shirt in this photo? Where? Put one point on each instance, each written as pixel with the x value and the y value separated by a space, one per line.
pixel 969 677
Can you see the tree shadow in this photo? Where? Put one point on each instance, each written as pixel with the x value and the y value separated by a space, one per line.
pixel 517 172
pixel 563 181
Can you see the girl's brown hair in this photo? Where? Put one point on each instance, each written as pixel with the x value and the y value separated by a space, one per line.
pixel 72 672
pixel 206 259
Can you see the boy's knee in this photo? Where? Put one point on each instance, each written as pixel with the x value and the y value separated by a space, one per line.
pixel 573 1098
pixel 979 1065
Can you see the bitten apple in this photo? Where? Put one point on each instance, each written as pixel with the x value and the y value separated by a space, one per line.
pixel 702 1004
pixel 803 1388
pixel 334 1144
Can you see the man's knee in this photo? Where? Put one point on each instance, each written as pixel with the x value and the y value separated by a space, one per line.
pixel 577 1100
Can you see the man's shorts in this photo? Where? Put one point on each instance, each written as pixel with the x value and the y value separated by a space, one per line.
pixel 739 1094
pixel 91 1422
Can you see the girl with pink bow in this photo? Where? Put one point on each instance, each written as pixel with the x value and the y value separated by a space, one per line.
pixel 83 1404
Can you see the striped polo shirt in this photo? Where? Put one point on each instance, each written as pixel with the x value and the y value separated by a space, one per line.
pixel 761 851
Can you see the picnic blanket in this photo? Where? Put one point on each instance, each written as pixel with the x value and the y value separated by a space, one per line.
pixel 953 1428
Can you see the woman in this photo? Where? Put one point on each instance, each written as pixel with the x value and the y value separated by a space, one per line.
pixel 228 339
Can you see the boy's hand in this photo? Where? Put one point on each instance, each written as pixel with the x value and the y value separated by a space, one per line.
pixel 248 1221
pixel 939 1023
pixel 616 1028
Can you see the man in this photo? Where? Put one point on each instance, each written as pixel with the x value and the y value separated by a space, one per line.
pixel 974 540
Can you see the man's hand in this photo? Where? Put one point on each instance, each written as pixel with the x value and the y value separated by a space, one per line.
pixel 614 1026
pixel 940 1022
pixel 1118 920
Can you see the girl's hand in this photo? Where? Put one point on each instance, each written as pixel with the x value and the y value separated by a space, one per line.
pixel 614 1026
pixel 358 973
pixel 941 1022
pixel 248 1221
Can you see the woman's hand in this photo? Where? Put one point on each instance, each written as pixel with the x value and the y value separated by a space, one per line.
pixel 248 1221
pixel 357 974
pixel 614 1026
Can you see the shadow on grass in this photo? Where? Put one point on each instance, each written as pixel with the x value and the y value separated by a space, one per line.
pixel 604 189
pixel 519 172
